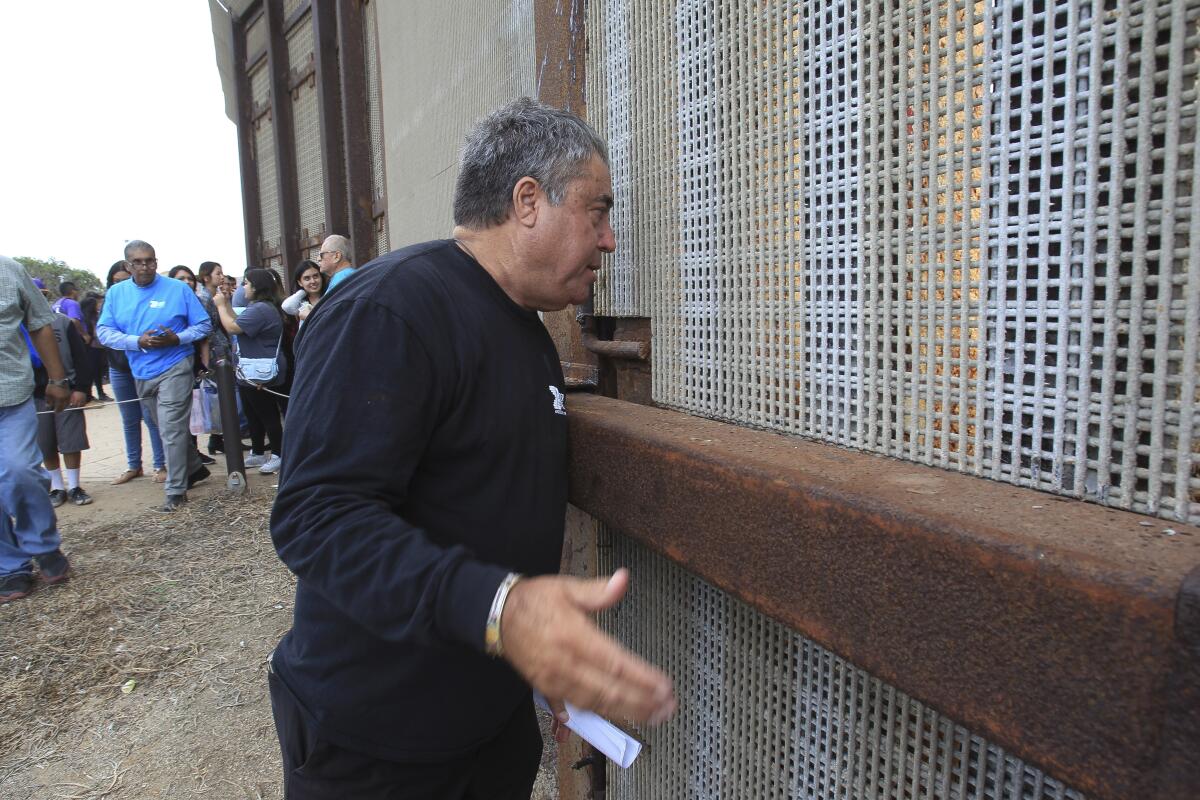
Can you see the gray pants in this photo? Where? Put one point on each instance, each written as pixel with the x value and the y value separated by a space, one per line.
pixel 167 398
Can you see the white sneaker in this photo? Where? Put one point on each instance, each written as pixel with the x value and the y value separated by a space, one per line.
pixel 272 465
pixel 253 460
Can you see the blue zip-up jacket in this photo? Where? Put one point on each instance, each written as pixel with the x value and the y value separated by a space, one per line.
pixel 131 310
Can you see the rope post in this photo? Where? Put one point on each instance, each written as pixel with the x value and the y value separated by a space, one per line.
pixel 222 370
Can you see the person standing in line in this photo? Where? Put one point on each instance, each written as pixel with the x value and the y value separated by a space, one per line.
pixel 260 331
pixel 68 303
pixel 334 260
pixel 156 321
pixel 311 285
pixel 210 281
pixel 202 355
pixel 424 488
pixel 132 413
pixel 64 432
pixel 91 306
pixel 28 529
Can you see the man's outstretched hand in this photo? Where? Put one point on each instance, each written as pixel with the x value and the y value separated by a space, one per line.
pixel 550 639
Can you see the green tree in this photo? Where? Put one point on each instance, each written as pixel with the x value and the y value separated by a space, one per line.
pixel 53 272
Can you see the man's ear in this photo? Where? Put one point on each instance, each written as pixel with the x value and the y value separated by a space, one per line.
pixel 527 199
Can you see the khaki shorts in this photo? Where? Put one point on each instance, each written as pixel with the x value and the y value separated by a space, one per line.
pixel 64 432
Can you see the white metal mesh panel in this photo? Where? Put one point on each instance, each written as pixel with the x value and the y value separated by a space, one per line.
pixel 765 713
pixel 309 162
pixel 962 233
pixel 375 122
pixel 264 158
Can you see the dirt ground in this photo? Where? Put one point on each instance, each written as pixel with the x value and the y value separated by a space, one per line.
pixel 143 676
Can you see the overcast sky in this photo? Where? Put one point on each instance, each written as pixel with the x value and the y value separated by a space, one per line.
pixel 115 129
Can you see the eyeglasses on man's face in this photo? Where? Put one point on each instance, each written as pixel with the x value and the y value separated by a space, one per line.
pixel 324 253
pixel 142 262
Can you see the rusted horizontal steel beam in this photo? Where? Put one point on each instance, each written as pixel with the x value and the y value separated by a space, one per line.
pixel 1046 624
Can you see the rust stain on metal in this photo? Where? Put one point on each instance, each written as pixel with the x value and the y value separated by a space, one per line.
pixel 1048 625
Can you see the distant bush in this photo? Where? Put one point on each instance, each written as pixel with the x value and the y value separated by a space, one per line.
pixel 53 272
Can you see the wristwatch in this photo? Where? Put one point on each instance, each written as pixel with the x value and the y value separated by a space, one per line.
pixel 63 382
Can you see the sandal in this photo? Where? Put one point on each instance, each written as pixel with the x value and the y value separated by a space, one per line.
pixel 160 475
pixel 127 476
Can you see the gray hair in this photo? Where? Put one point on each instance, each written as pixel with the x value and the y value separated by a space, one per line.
pixel 138 244
pixel 341 244
pixel 523 139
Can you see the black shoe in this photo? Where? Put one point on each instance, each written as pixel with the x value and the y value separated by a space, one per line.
pixel 205 459
pixel 103 398
pixel 174 503
pixel 200 474
pixel 57 497
pixel 79 497
pixel 216 444
pixel 54 567
pixel 14 587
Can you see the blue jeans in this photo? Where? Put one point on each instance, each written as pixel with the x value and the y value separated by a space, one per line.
pixel 27 524
pixel 132 415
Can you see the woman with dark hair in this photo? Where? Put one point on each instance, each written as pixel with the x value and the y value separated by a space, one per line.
pixel 132 414
pixel 259 334
pixel 180 272
pixel 90 307
pixel 310 285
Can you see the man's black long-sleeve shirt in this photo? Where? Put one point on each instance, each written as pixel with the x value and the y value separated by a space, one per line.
pixel 425 459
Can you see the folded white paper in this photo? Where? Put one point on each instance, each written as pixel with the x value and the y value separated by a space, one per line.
pixel 618 746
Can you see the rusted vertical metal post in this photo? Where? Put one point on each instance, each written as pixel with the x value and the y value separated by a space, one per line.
pixel 285 134
pixel 559 47
pixel 329 107
pixel 235 465
pixel 559 42
pixel 245 136
pixel 355 129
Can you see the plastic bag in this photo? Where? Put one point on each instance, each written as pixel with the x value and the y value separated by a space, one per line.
pixel 206 409
pixel 210 406
pixel 196 421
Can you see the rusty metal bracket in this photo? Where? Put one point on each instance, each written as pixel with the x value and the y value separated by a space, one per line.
pixel 634 351
pixel 1056 628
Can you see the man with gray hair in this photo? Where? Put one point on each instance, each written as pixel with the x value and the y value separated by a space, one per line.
pixel 156 321
pixel 423 493
pixel 335 260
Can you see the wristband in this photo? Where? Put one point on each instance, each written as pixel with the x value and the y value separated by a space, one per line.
pixel 491 634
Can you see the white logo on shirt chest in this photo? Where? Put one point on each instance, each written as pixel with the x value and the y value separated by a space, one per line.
pixel 560 400
pixel 158 303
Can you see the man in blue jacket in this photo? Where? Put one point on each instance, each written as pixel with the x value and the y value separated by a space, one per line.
pixel 156 321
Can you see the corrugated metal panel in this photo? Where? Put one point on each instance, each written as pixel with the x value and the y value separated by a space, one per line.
pixel 375 122
pixel 264 159
pixel 446 64
pixel 961 234
pixel 309 161
pixel 765 713
pixel 256 36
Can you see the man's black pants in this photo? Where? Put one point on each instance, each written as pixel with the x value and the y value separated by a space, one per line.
pixel 502 769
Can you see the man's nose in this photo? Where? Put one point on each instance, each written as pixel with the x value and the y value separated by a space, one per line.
pixel 608 239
